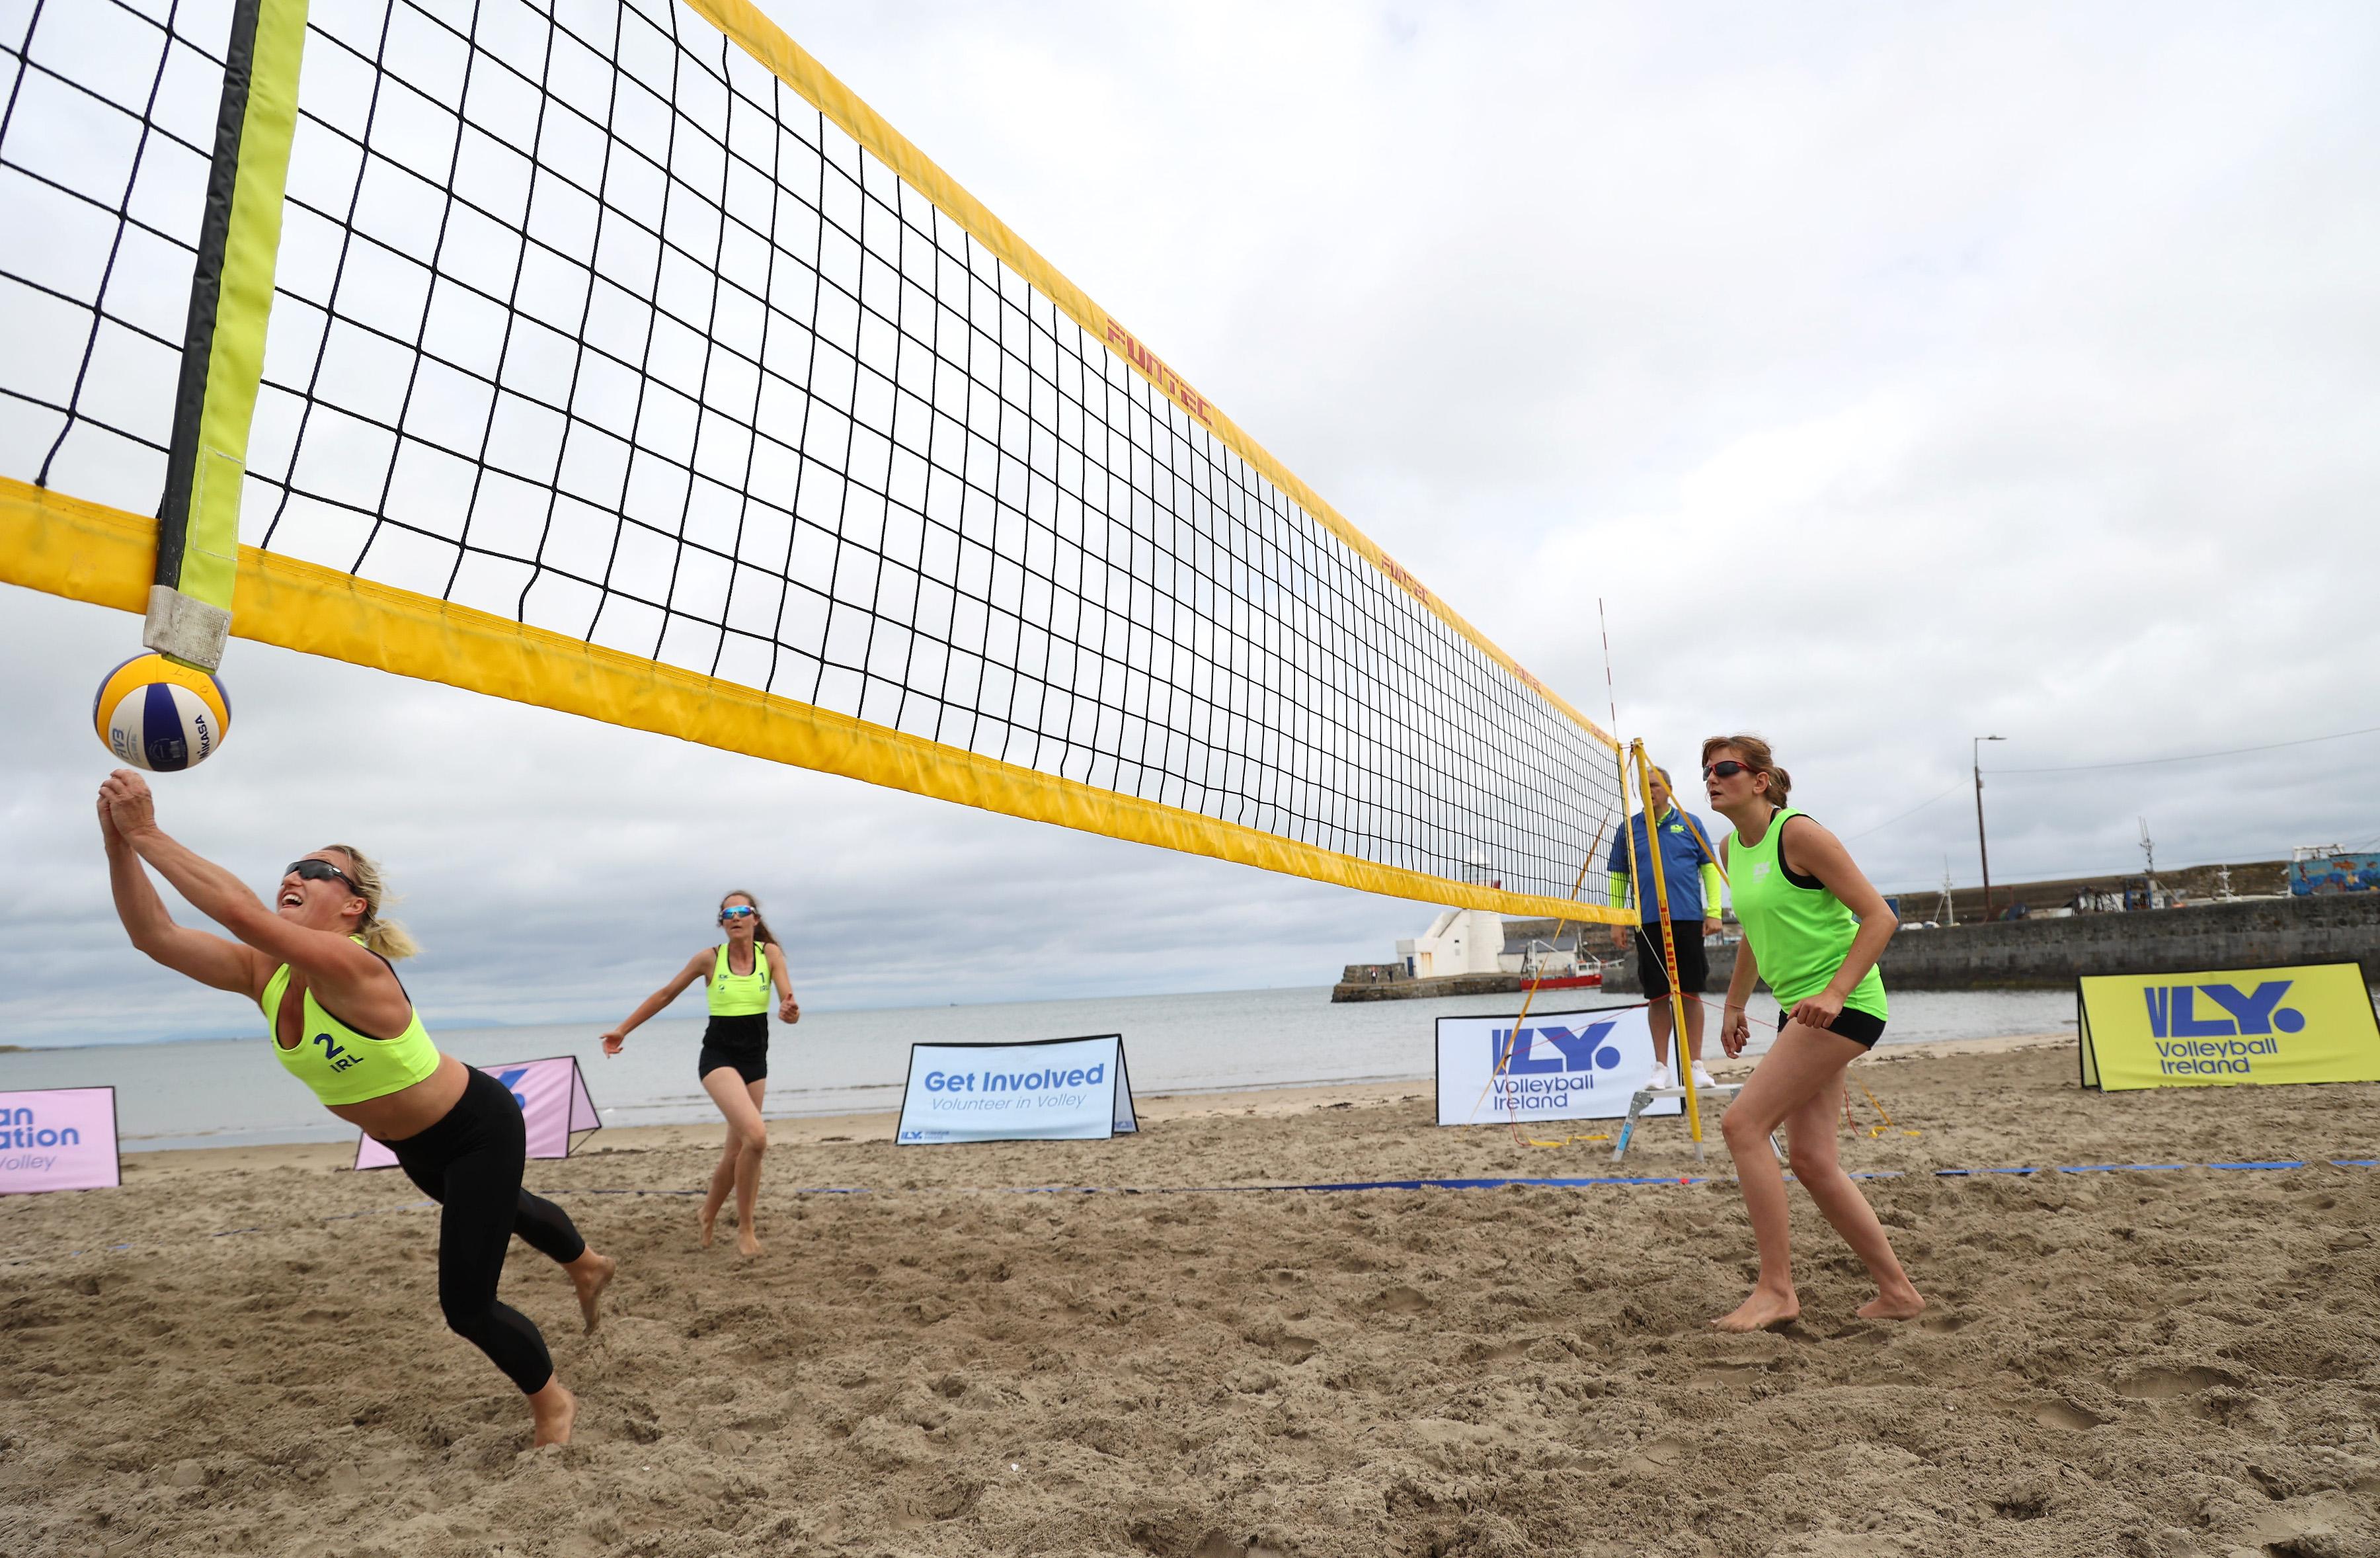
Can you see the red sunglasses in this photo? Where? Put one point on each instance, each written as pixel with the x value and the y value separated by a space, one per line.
pixel 1726 768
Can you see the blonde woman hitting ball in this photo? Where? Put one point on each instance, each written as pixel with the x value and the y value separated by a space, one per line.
pixel 317 962
pixel 734 1065
pixel 1815 927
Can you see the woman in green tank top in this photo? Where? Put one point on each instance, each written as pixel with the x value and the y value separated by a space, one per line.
pixel 1814 927
pixel 317 962
pixel 734 1064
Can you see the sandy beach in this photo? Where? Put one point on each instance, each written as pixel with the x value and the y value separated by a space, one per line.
pixel 240 1353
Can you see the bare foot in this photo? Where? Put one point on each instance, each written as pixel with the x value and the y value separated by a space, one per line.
pixel 591 1274
pixel 1903 1305
pixel 745 1243
pixel 555 1408
pixel 1762 1311
pixel 709 1215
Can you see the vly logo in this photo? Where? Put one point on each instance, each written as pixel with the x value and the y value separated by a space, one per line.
pixel 1570 1050
pixel 2173 1010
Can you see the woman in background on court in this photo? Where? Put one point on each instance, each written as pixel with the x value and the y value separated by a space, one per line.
pixel 1814 926
pixel 341 1022
pixel 734 1065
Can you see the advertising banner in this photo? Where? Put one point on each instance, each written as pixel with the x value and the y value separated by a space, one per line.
pixel 552 1095
pixel 1050 1089
pixel 59 1138
pixel 1563 1066
pixel 2306 1023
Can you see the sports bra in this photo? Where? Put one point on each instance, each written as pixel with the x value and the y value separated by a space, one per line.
pixel 341 1065
pixel 739 995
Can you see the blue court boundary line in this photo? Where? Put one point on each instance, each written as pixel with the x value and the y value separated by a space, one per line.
pixel 1496 1182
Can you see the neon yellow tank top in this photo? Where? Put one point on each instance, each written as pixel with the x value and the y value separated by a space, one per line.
pixel 739 995
pixel 1797 930
pixel 340 1065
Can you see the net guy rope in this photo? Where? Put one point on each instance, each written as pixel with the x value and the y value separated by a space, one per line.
pixel 620 360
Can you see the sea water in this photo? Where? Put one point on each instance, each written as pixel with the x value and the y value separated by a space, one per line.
pixel 223 1093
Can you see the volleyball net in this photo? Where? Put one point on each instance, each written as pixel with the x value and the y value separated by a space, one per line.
pixel 619 360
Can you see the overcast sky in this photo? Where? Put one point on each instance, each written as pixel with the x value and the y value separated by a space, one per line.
pixel 1896 377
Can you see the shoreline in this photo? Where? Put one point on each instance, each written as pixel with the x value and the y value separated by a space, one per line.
pixel 877 1125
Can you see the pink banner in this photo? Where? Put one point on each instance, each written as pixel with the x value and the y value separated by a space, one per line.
pixel 57 1138
pixel 552 1094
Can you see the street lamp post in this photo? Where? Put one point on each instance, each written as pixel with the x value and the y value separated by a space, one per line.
pixel 1975 753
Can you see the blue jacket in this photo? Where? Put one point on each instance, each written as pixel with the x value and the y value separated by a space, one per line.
pixel 1682 857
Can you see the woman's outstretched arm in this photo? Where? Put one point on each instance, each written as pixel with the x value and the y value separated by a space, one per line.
pixel 342 973
pixel 1734 1024
pixel 210 960
pixel 695 967
pixel 788 1009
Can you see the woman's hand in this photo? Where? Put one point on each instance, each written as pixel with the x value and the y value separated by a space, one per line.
pixel 789 1009
pixel 125 800
pixel 615 1041
pixel 1817 1011
pixel 1734 1032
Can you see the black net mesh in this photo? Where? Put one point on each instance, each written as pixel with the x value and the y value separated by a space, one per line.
pixel 587 320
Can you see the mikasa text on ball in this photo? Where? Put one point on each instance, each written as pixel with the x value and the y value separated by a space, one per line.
pixel 159 715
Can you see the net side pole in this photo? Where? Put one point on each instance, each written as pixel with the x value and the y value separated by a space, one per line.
pixel 222 352
pixel 1669 948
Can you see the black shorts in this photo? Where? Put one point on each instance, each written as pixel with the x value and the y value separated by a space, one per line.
pixel 741 1042
pixel 1863 1028
pixel 750 1064
pixel 1653 971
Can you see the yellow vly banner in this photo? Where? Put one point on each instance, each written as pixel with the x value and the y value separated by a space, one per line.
pixel 2310 1023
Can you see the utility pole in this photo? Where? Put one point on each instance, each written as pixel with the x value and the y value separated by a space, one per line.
pixel 1975 753
pixel 2148 848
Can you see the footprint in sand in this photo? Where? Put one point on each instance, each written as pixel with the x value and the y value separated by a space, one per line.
pixel 1658 1458
pixel 2164 1384
pixel 2066 1415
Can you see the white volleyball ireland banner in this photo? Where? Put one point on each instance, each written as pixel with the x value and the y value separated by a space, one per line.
pixel 1051 1089
pixel 1561 1066
pixel 554 1104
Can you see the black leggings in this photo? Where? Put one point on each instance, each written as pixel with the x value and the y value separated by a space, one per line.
pixel 471 1164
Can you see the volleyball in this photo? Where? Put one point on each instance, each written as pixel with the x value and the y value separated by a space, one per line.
pixel 160 714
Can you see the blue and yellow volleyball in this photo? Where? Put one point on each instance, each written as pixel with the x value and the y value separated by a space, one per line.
pixel 161 714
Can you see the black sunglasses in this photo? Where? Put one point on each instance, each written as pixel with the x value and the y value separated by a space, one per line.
pixel 1726 768
pixel 317 870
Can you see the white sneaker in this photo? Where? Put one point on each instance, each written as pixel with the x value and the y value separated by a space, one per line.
pixel 1702 1077
pixel 1660 1078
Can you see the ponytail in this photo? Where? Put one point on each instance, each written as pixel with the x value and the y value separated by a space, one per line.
pixel 387 937
pixel 1755 756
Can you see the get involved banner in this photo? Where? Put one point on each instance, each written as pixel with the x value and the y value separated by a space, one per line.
pixel 2307 1023
pixel 1051 1089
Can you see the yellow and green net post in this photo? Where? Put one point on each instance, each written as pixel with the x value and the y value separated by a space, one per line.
pixel 223 353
